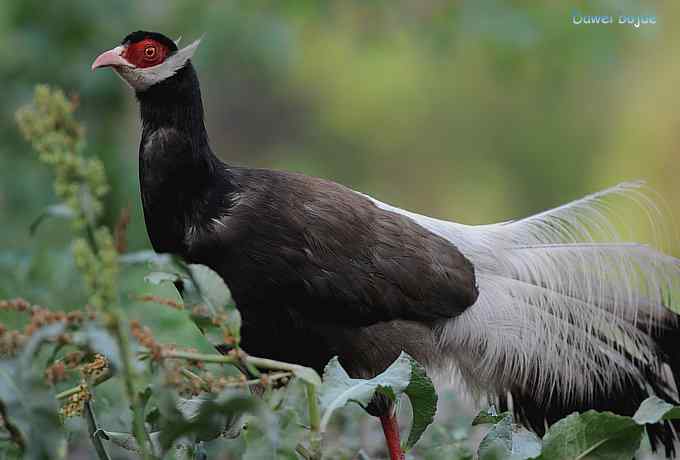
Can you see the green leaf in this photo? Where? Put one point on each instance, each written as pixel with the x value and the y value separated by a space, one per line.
pixel 338 388
pixel 423 398
pixel 183 448
pixel 593 436
pixel 489 416
pixel 654 410
pixel 206 297
pixel 203 418
pixel 61 211
pixel 161 277
pixel 273 435
pixel 404 376
pixel 307 374
pixel 211 288
pixel 509 441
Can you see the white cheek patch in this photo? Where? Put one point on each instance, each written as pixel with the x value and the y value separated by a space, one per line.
pixel 143 79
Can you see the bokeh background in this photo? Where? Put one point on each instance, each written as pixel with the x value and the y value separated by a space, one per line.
pixel 476 111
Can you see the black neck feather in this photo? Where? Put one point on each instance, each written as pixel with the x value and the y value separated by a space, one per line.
pixel 176 103
pixel 183 184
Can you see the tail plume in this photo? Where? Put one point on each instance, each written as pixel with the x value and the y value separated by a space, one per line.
pixel 573 314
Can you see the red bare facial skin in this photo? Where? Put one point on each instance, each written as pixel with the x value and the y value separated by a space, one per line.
pixel 145 53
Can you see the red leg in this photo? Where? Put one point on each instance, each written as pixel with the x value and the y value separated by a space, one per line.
pixel 391 430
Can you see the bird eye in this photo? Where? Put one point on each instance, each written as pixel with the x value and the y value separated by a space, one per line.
pixel 149 52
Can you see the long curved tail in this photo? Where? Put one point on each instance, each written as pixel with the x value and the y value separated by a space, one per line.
pixel 572 314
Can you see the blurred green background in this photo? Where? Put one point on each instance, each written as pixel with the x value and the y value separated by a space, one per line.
pixel 477 111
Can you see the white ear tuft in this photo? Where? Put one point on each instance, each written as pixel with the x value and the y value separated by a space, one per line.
pixel 180 57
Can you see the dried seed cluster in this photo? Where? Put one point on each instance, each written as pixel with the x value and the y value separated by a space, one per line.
pixel 76 402
pixel 145 338
pixel 12 341
pixel 96 368
pixel 161 300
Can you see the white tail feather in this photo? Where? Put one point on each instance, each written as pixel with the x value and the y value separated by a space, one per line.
pixel 565 300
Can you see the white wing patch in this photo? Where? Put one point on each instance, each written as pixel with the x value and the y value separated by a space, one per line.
pixel 561 292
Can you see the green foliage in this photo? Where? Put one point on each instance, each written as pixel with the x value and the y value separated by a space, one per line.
pixel 202 418
pixel 654 410
pixel 489 416
pixel 591 435
pixel 423 397
pixel 274 435
pixel 507 440
pixel 205 295
pixel 339 388
pixel 404 376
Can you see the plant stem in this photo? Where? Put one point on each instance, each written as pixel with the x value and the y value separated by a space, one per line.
pixel 313 405
pixel 89 232
pixel 191 376
pixel 203 357
pixel 314 421
pixel 264 363
pixel 138 429
pixel 14 433
pixel 93 430
pixel 270 378
pixel 244 383
pixel 303 451
pixel 261 363
pixel 71 391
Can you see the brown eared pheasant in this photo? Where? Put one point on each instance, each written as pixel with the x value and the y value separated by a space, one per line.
pixel 545 315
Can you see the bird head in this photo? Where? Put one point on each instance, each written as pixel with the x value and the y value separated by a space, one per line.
pixel 146 58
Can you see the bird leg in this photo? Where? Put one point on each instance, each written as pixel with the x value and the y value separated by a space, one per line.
pixel 391 430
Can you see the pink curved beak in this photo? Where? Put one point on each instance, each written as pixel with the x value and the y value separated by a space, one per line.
pixel 111 58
